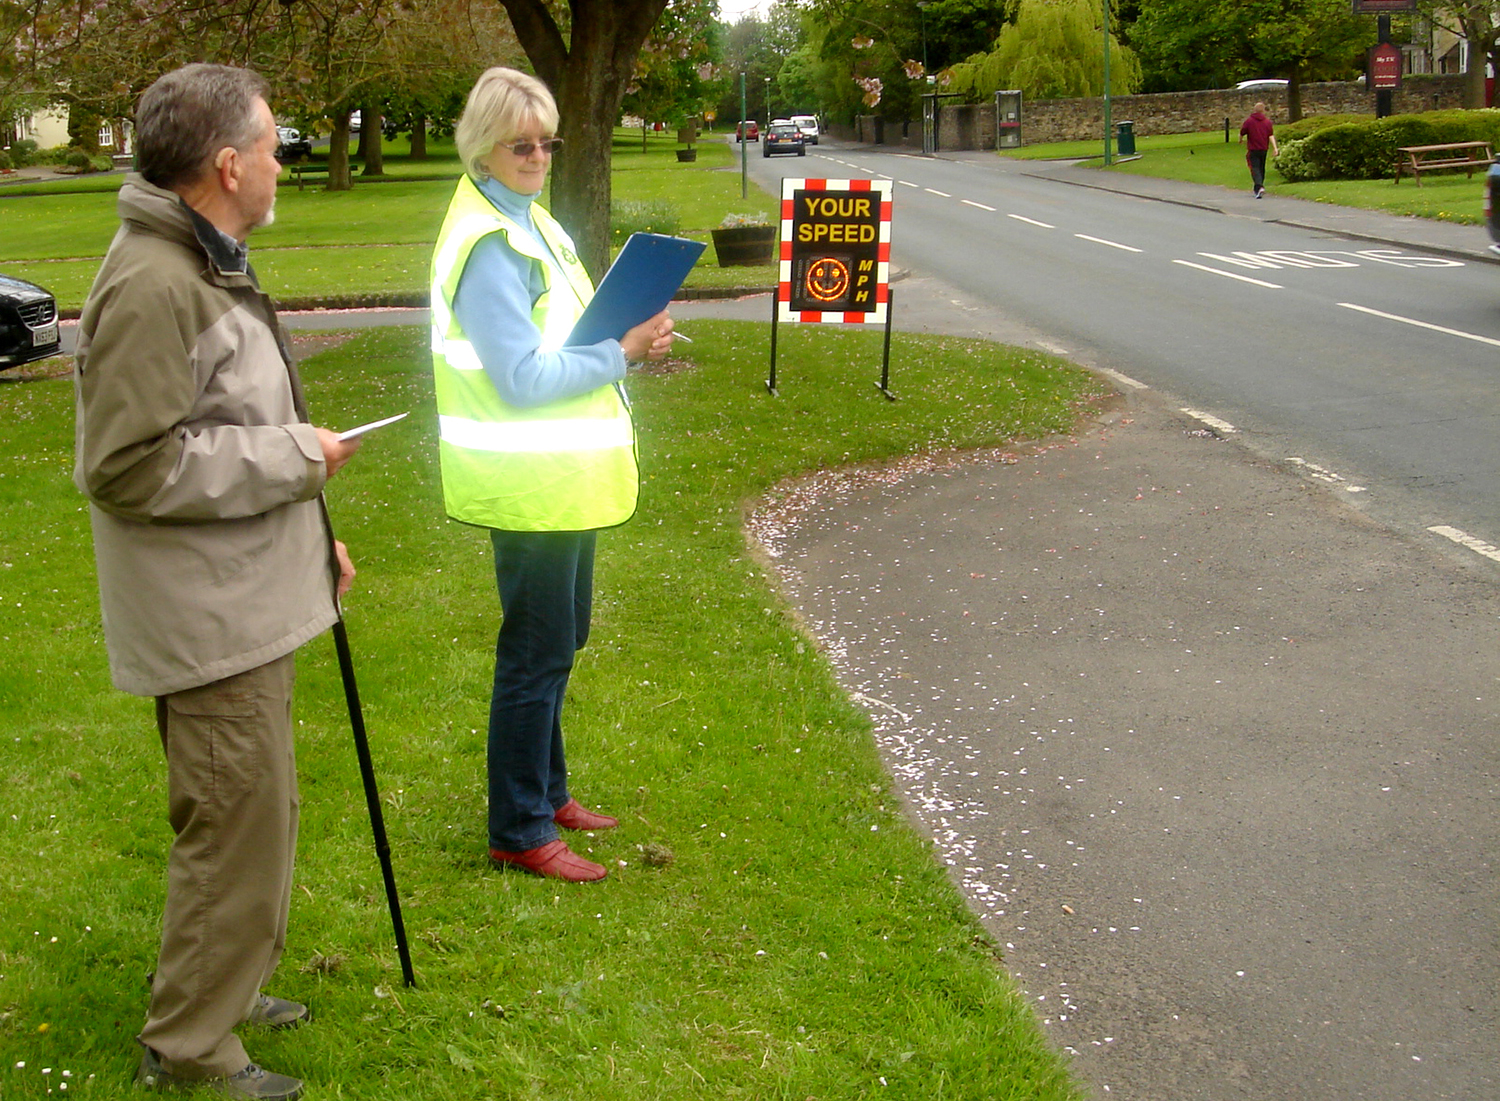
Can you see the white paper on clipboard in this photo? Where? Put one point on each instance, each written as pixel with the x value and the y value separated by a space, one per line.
pixel 363 428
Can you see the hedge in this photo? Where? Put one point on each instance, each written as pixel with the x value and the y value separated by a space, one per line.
pixel 1366 150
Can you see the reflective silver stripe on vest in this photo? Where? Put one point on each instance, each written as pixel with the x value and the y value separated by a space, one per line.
pixel 460 355
pixel 537 437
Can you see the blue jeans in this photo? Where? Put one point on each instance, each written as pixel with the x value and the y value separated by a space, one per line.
pixel 546 583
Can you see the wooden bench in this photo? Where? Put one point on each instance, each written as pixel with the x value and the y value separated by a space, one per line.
pixel 1467 155
pixel 303 172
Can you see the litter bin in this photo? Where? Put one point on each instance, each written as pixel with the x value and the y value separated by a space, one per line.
pixel 1126 142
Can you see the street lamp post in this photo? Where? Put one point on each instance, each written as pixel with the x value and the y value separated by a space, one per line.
pixel 768 101
pixel 1109 157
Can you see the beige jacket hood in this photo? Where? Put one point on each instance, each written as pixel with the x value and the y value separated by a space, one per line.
pixel 192 445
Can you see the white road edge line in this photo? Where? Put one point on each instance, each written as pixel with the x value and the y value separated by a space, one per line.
pixel 1229 275
pixel 941 194
pixel 981 206
pixel 1211 420
pixel 1422 324
pixel 1030 221
pixel 1123 380
pixel 1102 241
pixel 907 183
pixel 1478 546
pixel 1324 475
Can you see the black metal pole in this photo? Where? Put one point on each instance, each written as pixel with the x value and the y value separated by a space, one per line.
pixel 775 312
pixel 372 796
pixel 885 358
pixel 1384 97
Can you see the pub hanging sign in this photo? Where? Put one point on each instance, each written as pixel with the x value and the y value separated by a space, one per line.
pixel 835 251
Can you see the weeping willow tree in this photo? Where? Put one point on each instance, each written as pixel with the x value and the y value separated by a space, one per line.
pixel 1054 50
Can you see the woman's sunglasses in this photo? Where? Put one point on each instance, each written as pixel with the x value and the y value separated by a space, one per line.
pixel 526 148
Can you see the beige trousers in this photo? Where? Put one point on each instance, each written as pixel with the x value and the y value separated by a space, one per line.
pixel 232 803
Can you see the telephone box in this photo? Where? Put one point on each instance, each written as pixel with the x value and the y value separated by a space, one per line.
pixel 1008 120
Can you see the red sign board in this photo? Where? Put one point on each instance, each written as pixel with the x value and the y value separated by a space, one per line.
pixel 1384 67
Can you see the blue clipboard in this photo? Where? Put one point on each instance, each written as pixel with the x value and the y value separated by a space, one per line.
pixel 638 285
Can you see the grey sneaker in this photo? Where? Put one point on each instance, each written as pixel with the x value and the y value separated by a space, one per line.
pixel 252 1083
pixel 269 1012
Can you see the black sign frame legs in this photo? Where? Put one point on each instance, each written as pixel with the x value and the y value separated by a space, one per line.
pixel 884 385
pixel 775 313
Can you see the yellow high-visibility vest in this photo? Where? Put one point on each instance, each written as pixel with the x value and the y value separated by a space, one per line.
pixel 569 465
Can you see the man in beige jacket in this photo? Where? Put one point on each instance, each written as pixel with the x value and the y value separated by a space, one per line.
pixel 215 556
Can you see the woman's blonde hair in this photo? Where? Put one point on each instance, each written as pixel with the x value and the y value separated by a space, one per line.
pixel 502 103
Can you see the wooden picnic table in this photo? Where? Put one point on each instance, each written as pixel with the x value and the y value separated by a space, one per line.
pixel 1467 155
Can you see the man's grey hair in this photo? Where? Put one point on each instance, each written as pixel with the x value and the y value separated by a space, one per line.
pixel 188 115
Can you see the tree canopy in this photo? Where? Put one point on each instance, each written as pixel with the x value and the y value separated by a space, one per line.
pixel 1478 23
pixel 1188 44
pixel 1054 50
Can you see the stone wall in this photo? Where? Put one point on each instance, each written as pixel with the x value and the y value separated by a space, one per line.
pixel 972 126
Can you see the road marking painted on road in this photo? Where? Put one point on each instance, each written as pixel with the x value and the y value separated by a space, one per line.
pixel 1123 380
pixel 1229 275
pixel 907 183
pixel 942 194
pixel 1478 546
pixel 1423 324
pixel 1030 221
pixel 1102 241
pixel 981 206
pixel 1212 421
pixel 1322 475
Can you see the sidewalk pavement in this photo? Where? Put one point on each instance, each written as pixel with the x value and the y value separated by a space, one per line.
pixel 1425 234
pixel 1210 753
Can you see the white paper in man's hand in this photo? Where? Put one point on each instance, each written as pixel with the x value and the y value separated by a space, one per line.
pixel 362 429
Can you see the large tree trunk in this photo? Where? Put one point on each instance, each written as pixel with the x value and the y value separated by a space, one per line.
pixel 338 153
pixel 419 138
pixel 1479 52
pixel 588 76
pixel 1294 95
pixel 370 133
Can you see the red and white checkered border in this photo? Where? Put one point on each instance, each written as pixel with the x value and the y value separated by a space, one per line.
pixel 882 267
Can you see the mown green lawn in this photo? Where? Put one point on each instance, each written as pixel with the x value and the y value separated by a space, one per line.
pixel 376 239
pixel 1205 158
pixel 773 926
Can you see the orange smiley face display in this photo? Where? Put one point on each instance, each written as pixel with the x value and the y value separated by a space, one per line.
pixel 827 279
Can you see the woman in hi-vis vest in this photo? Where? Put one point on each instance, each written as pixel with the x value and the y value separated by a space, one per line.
pixel 536 444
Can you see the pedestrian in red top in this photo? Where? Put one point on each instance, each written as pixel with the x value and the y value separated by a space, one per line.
pixel 1256 133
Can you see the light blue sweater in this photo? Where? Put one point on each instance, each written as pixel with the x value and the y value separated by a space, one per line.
pixel 493 304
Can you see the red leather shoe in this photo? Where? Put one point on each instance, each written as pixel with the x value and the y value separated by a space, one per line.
pixel 572 816
pixel 554 859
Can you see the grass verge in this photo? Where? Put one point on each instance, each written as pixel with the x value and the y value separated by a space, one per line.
pixel 773 926
pixel 1206 158
pixel 376 239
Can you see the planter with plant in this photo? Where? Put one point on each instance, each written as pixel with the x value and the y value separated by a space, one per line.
pixel 744 240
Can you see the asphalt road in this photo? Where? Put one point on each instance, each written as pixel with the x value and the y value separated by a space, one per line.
pixel 1373 360
pixel 1208 745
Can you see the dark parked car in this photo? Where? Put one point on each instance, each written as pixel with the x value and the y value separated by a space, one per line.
pixel 783 138
pixel 291 145
pixel 28 322
pixel 1492 205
